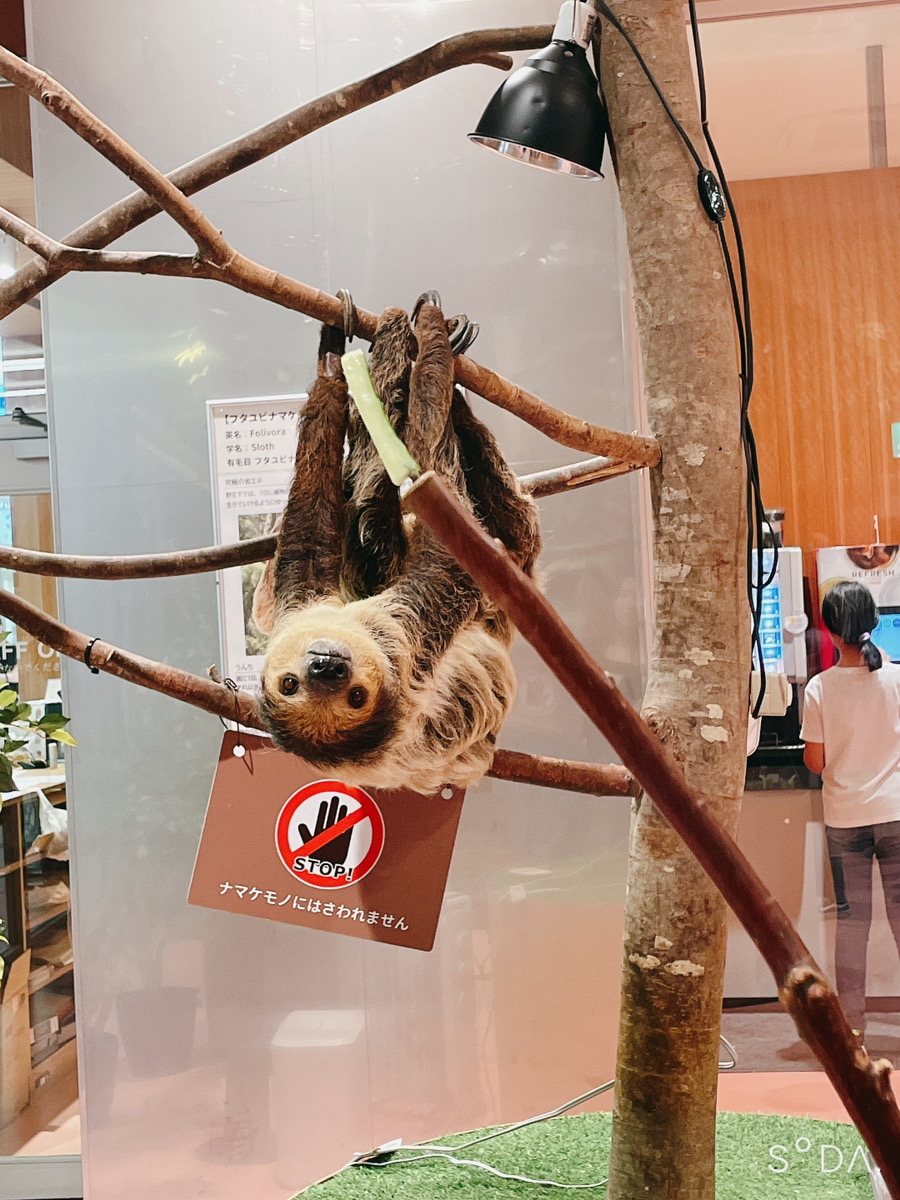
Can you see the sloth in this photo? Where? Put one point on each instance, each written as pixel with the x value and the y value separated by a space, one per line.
pixel 386 663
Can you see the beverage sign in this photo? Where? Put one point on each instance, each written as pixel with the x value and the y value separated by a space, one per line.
pixel 284 843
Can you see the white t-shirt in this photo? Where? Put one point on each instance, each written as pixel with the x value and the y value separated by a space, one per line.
pixel 855 712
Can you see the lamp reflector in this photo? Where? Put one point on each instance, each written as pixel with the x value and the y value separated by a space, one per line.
pixel 549 114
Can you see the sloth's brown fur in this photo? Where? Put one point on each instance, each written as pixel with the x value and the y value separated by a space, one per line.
pixel 386 663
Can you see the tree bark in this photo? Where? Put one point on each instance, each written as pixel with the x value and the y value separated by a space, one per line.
pixel 697 692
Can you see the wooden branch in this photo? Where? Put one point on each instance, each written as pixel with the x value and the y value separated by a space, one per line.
pixel 576 475
pixel 56 99
pixel 861 1084
pixel 219 261
pixel 139 566
pixel 159 677
pixel 478 46
pixel 217 698
pixel 630 450
pixel 589 778
pixel 236 554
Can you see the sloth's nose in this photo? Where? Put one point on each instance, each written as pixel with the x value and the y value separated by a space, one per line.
pixel 327 664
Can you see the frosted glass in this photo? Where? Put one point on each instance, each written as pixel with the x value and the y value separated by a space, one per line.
pixel 514 1010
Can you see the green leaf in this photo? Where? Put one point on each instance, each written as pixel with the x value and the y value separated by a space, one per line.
pixel 8 715
pixel 10 744
pixel 6 775
pixel 51 721
pixel 8 696
pixel 23 712
pixel 63 736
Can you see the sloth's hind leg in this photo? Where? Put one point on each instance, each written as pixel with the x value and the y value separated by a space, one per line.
pixel 497 499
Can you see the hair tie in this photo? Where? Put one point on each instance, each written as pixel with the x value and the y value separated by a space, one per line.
pixel 87 656
pixel 864 637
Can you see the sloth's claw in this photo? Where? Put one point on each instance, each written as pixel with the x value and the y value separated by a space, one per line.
pixel 430 297
pixel 463 333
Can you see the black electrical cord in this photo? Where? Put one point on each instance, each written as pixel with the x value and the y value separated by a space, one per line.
pixel 716 200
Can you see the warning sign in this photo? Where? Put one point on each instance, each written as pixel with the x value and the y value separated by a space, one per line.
pixel 329 834
pixel 282 843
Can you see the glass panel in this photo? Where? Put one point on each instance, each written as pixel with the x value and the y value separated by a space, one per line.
pixel 196 1026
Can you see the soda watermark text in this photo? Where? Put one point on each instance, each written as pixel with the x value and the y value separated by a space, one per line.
pixel 828 1158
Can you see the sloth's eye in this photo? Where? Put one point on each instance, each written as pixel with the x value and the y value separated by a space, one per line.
pixel 357 696
pixel 290 685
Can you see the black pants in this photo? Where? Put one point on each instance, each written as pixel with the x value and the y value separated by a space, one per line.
pixel 851 852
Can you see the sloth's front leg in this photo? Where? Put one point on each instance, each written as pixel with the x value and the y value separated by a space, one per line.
pixel 375 543
pixel 308 556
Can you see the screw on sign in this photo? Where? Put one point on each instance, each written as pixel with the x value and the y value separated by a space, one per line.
pixel 329 834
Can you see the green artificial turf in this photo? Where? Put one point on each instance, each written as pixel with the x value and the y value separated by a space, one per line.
pixel 758 1158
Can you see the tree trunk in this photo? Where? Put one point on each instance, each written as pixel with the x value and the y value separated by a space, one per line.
pixel 697 693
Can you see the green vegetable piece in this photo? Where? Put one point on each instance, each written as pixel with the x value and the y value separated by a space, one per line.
pixel 398 462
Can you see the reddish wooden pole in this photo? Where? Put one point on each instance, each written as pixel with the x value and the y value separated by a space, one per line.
pixel 863 1085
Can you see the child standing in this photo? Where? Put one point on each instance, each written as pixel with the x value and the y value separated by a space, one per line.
pixel 851 727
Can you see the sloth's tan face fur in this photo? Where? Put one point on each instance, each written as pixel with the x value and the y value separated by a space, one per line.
pixel 328 687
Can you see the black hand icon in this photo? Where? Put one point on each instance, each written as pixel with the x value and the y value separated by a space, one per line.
pixel 334 851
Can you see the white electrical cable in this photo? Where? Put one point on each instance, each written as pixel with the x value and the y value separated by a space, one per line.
pixel 471 1162
pixel 432 1151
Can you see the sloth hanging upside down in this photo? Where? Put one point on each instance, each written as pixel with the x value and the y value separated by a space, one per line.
pixel 386 663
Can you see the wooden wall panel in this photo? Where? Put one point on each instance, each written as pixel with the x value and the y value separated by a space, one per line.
pixel 823 257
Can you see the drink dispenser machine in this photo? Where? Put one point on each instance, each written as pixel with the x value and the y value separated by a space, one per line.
pixel 783 626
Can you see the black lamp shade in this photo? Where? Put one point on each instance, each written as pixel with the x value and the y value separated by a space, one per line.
pixel 549 114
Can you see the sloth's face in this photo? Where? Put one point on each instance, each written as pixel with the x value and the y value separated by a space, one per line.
pixel 327 688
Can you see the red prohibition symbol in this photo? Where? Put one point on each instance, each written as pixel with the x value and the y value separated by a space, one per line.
pixel 329 834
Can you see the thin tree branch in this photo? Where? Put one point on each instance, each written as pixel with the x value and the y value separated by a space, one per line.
pixel 139 566
pixel 576 475
pixel 56 99
pixel 236 554
pixel 220 261
pixel 478 46
pixel 862 1085
pixel 630 450
pixel 215 697
pixel 159 677
pixel 588 778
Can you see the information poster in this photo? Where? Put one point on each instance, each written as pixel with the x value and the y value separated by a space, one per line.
pixel 252 445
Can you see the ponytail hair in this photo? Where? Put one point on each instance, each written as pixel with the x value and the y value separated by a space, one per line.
pixel 849 612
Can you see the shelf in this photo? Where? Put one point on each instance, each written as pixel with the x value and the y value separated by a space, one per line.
pixel 57 972
pixel 39 779
pixel 36 908
pixel 43 916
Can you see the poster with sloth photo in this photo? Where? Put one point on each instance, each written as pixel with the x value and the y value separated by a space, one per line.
pixel 252 444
